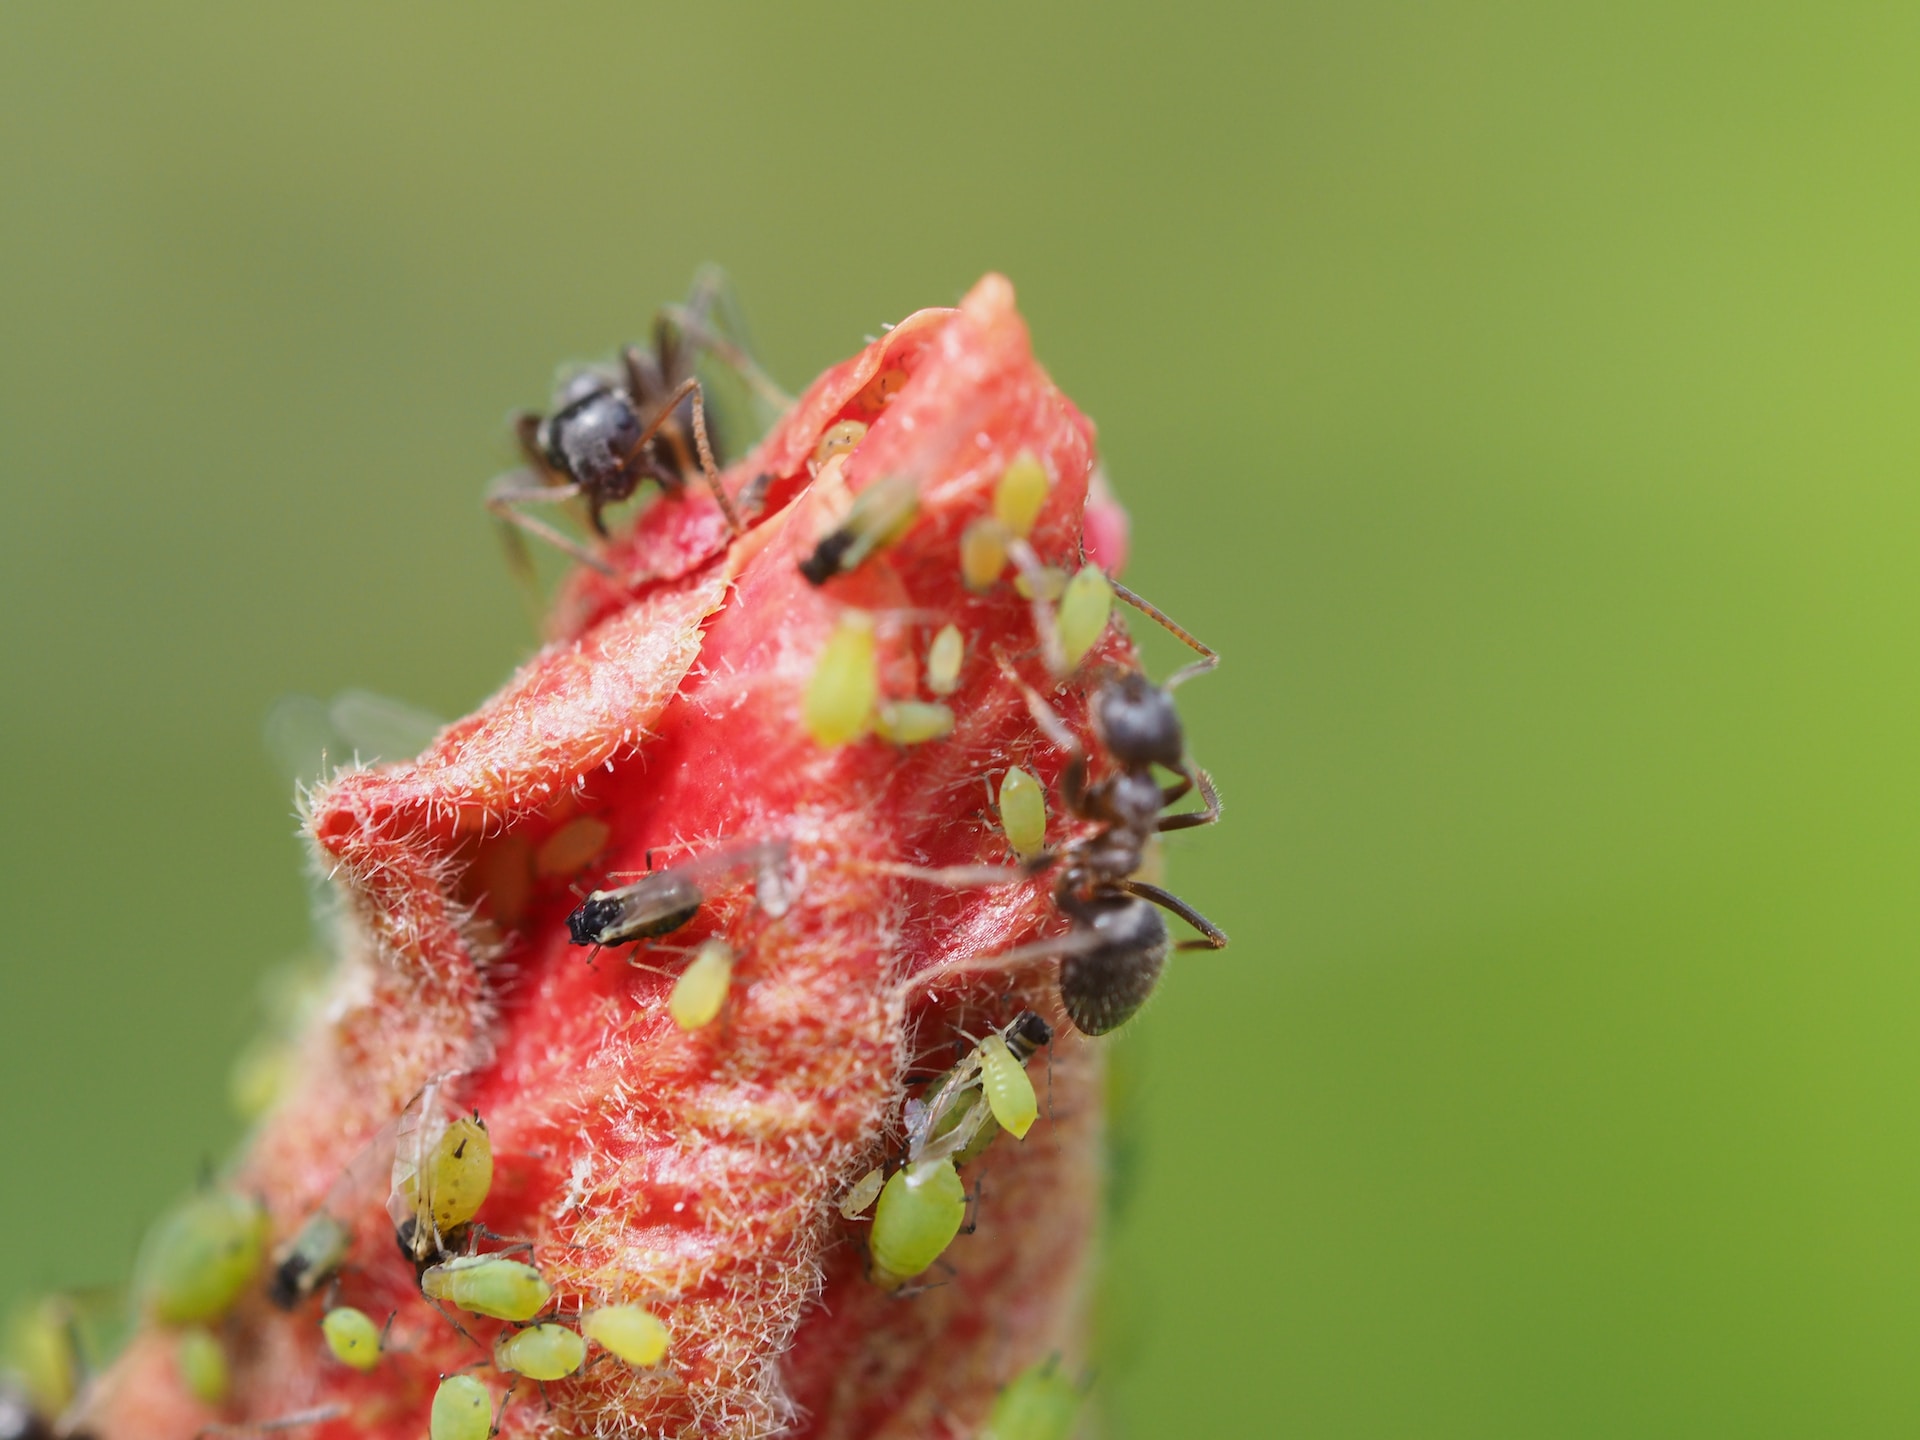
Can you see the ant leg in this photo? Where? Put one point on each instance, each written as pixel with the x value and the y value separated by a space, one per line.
pixel 1044 715
pixel 1209 657
pixel 708 467
pixel 1206 815
pixel 956 877
pixel 645 378
pixel 1166 900
pixel 510 490
pixel 1044 624
pixel 696 328
pixel 1073 942
pixel 317 1416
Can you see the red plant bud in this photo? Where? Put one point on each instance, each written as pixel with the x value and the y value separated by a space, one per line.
pixel 697 1172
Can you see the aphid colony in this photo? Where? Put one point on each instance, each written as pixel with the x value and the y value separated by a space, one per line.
pixel 1115 791
pixel 201 1259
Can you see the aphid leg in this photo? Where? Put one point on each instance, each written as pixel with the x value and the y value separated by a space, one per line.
pixel 511 490
pixel 1209 657
pixel 500 1414
pixel 459 1329
pixel 1208 812
pixel 709 468
pixel 1216 938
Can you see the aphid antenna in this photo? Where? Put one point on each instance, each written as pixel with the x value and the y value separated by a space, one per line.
pixel 1209 657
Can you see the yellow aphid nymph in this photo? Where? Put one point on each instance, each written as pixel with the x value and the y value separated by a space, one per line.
pixel 845 683
pixel 1085 609
pixel 1009 1092
pixel 702 988
pixel 352 1337
pixel 1023 812
pixel 458 1173
pixel 540 1352
pixel 1020 494
pixel 944 656
pixel 631 1332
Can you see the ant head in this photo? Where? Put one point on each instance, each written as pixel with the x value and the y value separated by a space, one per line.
pixel 1137 722
pixel 581 384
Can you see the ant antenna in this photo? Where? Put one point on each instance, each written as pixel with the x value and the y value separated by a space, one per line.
pixel 1209 657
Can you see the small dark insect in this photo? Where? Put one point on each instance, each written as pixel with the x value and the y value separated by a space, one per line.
pixel 1112 957
pixel 611 430
pixel 19 1420
pixel 663 901
pixel 308 1261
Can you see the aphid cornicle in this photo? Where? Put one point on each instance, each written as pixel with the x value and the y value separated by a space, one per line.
pixel 662 902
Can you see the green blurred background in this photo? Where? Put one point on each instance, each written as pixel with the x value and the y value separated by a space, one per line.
pixel 1523 401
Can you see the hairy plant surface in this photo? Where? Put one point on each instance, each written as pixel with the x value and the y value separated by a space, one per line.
pixel 697 1171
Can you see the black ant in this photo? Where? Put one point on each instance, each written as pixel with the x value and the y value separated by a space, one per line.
pixel 1112 957
pixel 609 431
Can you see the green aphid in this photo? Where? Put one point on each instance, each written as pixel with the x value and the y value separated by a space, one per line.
pixel 1009 1092
pixel 352 1337
pixel 203 1365
pixel 1021 492
pixel 701 989
pixel 462 1410
pixel 1023 812
pixel 921 1209
pixel 198 1259
pixel 1037 1404
pixel 912 722
pixel 944 658
pixel 983 552
pixel 43 1354
pixel 846 682
pixel 1085 609
pixel 630 1332
pixel 540 1352
pixel 488 1285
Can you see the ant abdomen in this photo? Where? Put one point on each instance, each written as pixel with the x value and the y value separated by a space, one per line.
pixel 1102 987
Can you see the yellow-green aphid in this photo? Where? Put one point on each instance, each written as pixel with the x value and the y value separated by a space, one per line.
pixel 630 1332
pixel 1084 611
pixel 462 1410
pixel 571 848
pixel 949 648
pixel 912 722
pixel 352 1337
pixel 862 1193
pixel 846 681
pixel 540 1352
pixel 838 439
pixel 1009 1091
pixel 1020 494
pixel 203 1365
pixel 1037 1404
pixel 702 987
pixel 445 1190
pixel 1048 582
pixel 43 1353
pixel 983 552
pixel 921 1209
pixel 199 1258
pixel 1023 812
pixel 488 1285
